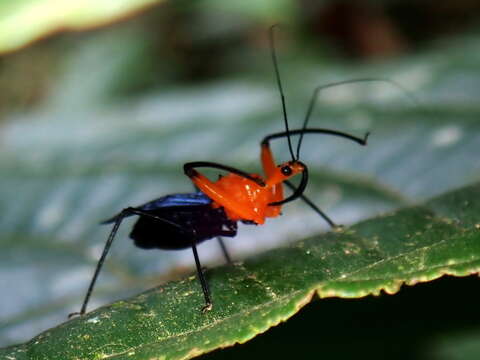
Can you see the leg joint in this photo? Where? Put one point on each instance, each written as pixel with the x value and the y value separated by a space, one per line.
pixel 190 171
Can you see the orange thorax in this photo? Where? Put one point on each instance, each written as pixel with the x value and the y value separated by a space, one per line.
pixel 249 194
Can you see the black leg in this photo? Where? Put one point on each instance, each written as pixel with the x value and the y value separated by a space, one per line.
pixel 301 132
pixel 189 169
pixel 314 207
pixel 203 282
pixel 136 211
pixel 118 221
pixel 224 250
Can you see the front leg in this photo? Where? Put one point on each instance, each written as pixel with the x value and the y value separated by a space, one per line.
pixel 189 169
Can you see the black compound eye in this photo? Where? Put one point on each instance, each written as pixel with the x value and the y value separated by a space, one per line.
pixel 286 170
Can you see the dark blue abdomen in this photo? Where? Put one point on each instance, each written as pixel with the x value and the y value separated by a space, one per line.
pixel 194 218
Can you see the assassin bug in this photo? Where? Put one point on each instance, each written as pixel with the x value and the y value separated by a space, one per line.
pixel 181 221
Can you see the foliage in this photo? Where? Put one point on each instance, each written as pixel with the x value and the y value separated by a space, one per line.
pixel 89 150
pixel 409 246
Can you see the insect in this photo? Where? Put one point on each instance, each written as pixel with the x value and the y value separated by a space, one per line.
pixel 181 221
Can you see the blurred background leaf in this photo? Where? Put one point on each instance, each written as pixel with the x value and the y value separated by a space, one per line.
pixel 95 122
pixel 23 21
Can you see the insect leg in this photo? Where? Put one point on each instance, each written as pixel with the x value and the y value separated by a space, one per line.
pixel 313 206
pixel 361 141
pixel 224 250
pixel 111 237
pixel 203 282
pixel 299 191
pixel 189 169
pixel 201 277
pixel 118 221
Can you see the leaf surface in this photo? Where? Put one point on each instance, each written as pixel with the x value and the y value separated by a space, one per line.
pixel 95 154
pixel 412 245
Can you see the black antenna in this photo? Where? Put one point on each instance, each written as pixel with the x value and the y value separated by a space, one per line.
pixel 280 89
pixel 344 82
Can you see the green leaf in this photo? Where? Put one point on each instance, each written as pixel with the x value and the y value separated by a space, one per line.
pixel 93 157
pixel 83 155
pixel 22 21
pixel 412 245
